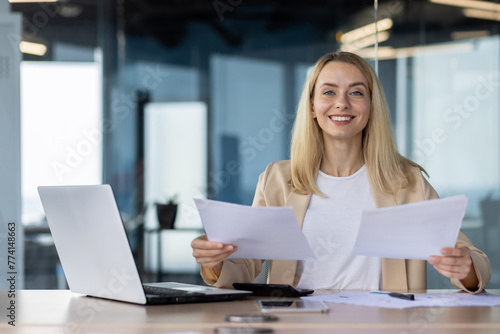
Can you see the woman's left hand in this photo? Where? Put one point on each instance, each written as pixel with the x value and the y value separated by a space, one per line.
pixel 454 263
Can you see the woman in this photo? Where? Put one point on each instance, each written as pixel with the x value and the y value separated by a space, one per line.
pixel 343 160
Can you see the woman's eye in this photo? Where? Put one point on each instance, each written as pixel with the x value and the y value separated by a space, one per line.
pixel 357 93
pixel 328 93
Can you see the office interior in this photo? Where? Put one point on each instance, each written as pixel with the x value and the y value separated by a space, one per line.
pixel 171 100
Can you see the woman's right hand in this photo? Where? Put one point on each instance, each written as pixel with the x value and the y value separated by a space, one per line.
pixel 210 254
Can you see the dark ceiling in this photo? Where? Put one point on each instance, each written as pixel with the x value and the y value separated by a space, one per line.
pixel 78 21
pixel 167 20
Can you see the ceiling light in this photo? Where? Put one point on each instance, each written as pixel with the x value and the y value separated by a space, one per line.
pixel 364 42
pixel 388 52
pixel 36 49
pixel 384 52
pixel 70 10
pixel 482 14
pixel 484 5
pixel 367 30
pixel 459 35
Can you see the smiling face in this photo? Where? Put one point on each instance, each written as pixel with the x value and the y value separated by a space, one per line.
pixel 341 102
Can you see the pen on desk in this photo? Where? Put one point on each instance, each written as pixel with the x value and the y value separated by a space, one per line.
pixel 402 295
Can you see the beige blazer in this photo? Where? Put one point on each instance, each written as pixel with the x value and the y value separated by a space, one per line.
pixel 397 274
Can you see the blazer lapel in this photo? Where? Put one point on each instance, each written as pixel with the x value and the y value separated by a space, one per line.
pixel 299 203
pixel 393 270
pixel 283 271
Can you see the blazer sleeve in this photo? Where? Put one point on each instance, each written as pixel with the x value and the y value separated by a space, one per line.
pixel 480 263
pixel 233 270
pixel 239 270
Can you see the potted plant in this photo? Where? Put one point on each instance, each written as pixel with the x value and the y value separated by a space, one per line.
pixel 166 213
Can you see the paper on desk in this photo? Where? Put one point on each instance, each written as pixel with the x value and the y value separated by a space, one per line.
pixel 411 231
pixel 380 299
pixel 165 333
pixel 258 232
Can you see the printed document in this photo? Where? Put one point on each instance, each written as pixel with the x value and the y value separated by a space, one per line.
pixel 411 231
pixel 259 232
pixel 382 299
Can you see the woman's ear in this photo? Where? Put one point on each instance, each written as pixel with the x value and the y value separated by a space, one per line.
pixel 313 113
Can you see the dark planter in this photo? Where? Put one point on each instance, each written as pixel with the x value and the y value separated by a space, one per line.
pixel 166 215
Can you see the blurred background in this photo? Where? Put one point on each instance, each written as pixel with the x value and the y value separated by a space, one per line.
pixel 167 100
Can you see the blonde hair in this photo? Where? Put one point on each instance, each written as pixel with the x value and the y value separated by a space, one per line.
pixel 388 170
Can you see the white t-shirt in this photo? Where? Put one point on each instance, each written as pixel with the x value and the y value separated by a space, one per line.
pixel 330 226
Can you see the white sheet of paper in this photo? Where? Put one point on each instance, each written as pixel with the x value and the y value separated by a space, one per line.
pixel 411 231
pixel 258 232
pixel 380 299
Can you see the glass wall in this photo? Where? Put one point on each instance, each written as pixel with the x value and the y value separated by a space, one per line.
pixel 246 63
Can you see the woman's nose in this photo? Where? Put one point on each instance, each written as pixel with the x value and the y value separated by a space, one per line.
pixel 342 103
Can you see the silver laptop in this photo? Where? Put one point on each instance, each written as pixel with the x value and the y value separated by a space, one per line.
pixel 95 254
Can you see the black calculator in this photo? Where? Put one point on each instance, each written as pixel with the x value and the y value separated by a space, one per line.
pixel 272 290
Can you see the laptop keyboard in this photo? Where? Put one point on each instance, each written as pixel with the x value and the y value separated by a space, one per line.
pixel 155 290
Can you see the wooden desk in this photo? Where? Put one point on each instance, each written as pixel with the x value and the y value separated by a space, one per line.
pixel 60 311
